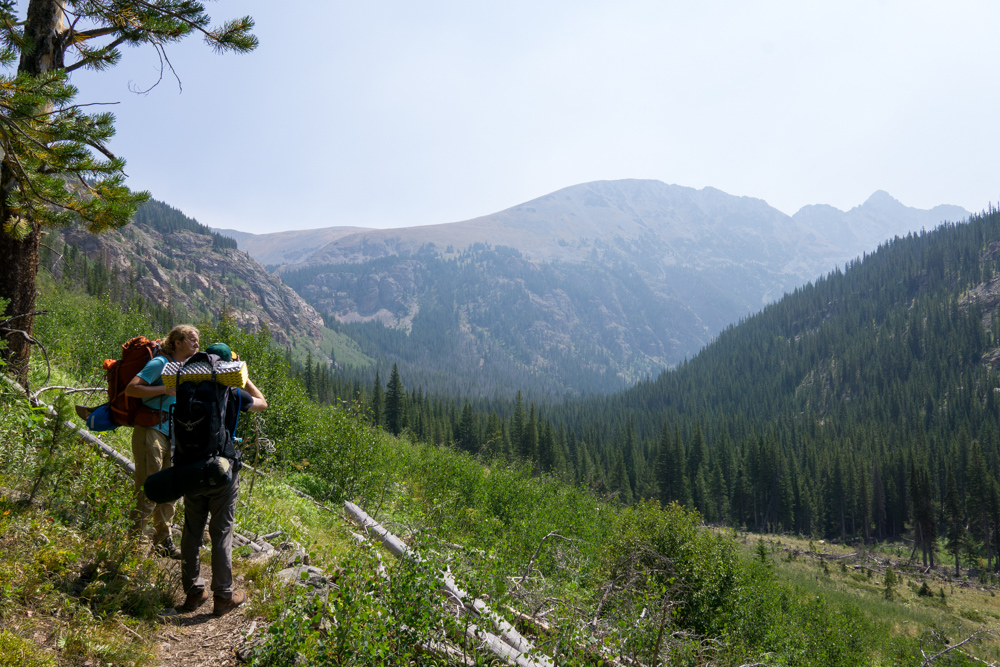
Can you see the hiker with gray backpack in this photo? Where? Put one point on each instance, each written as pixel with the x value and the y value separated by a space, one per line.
pixel 206 465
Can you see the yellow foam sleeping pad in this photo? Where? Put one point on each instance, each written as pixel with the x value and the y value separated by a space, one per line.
pixel 230 373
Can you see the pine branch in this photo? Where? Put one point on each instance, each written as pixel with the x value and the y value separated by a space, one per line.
pixel 108 55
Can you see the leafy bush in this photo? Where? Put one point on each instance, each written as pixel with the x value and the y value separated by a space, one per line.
pixel 365 620
pixel 669 546
pixel 18 652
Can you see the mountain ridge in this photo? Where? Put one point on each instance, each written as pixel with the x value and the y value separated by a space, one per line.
pixel 560 225
pixel 615 278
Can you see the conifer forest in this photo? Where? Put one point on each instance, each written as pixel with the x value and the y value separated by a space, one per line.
pixel 862 407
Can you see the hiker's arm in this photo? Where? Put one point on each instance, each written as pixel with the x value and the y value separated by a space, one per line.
pixel 139 388
pixel 259 403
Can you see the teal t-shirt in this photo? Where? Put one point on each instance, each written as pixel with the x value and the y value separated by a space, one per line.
pixel 151 373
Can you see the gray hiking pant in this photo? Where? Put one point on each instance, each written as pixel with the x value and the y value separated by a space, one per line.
pixel 221 505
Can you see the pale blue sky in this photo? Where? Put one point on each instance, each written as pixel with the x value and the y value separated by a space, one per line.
pixel 391 113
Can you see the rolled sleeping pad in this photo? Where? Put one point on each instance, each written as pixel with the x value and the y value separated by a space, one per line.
pixel 169 484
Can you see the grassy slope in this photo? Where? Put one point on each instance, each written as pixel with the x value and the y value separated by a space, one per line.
pixel 345 349
pixel 853 577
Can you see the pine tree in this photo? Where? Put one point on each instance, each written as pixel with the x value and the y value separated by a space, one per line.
pixel 49 144
pixel 979 486
pixel 878 502
pixel 496 437
pixel 922 510
pixel 467 432
pixel 546 448
pixel 529 437
pixel 310 380
pixel 377 402
pixel 670 477
pixel 619 480
pixel 890 583
pixel 517 424
pixel 719 493
pixel 952 516
pixel 395 403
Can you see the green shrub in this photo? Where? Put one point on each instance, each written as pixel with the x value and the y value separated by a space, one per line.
pixel 364 620
pixel 18 652
pixel 669 546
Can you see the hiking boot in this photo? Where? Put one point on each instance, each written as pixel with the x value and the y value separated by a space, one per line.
pixel 194 600
pixel 82 411
pixel 225 605
pixel 168 549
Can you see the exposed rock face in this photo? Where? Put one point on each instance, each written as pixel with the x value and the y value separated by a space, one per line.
pixel 183 268
pixel 390 296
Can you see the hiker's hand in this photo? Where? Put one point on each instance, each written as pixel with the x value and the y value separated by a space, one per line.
pixel 170 391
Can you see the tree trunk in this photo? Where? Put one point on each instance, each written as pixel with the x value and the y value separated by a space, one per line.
pixel 46 28
pixel 18 266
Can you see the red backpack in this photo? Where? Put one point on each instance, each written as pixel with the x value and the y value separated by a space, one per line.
pixel 126 410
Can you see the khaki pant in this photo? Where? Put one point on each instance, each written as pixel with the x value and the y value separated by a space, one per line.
pixel 151 453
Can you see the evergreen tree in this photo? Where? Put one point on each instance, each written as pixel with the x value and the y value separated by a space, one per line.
pixel 517 424
pixel 878 503
pixel 377 402
pixel 395 403
pixel 496 437
pixel 467 437
pixel 309 378
pixel 619 479
pixel 670 463
pixel 529 437
pixel 952 516
pixel 49 144
pixel 546 448
pixel 979 487
pixel 922 508
pixel 719 493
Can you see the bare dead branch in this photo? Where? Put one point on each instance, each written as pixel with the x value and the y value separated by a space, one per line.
pixel 527 568
pixel 16 317
pixel 5 332
pixel 68 390
pixel 968 639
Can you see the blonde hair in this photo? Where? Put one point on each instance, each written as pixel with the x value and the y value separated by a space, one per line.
pixel 177 334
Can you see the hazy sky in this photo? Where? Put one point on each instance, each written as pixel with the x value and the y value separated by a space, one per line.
pixel 387 113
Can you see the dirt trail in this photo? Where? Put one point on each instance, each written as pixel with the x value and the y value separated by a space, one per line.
pixel 198 638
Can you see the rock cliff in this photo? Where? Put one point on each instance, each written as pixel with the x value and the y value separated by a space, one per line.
pixel 183 270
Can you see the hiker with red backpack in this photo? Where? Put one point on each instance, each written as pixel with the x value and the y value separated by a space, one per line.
pixel 151 444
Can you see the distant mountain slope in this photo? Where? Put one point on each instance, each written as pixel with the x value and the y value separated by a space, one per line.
pixel 178 264
pixel 291 247
pixel 697 228
pixel 637 274
pixel 851 408
pixel 490 322
pixel 879 219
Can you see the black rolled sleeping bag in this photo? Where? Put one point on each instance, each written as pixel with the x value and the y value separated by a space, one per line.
pixel 169 484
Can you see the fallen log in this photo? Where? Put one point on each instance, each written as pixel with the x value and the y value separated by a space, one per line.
pixel 509 645
pixel 101 446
